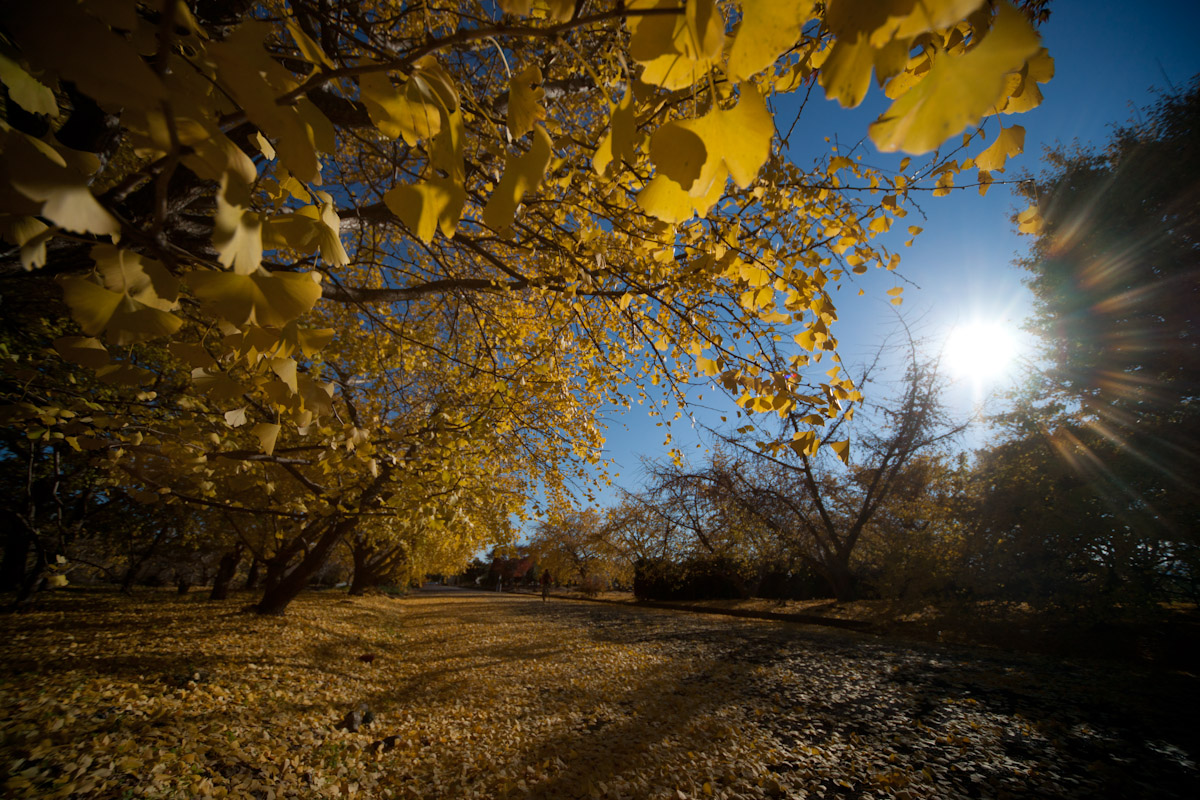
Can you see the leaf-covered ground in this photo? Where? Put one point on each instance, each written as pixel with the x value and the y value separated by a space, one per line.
pixel 479 695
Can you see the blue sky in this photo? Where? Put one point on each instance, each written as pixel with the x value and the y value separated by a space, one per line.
pixel 1109 57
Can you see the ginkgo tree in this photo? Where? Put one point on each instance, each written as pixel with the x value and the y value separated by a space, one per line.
pixel 390 244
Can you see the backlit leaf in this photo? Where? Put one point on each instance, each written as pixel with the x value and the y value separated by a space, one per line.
pixel 426 207
pixel 265 298
pixel 25 90
pixel 85 351
pixel 522 174
pixel 267 433
pixel 1009 142
pixel 525 98
pixel 769 28
pixel 958 90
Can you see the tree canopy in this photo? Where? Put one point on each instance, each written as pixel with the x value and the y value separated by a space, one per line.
pixel 322 262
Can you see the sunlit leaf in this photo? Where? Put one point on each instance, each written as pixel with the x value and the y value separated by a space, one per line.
pixel 769 28
pixel 265 298
pixel 1009 142
pixel 958 90
pixel 427 207
pixel 525 98
pixel 25 90
pixel 522 174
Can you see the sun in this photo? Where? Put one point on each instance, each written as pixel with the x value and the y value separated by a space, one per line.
pixel 980 351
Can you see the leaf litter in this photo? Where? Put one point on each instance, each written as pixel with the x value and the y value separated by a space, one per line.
pixel 475 695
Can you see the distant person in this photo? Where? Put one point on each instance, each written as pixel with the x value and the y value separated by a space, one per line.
pixel 545 584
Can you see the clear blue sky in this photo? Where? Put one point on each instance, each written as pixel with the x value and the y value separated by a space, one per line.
pixel 1109 57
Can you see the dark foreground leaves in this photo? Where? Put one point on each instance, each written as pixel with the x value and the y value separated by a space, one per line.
pixel 474 695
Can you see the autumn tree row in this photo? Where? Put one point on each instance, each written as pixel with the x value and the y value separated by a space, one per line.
pixel 343 269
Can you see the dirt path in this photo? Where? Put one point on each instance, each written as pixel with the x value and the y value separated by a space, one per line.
pixel 484 695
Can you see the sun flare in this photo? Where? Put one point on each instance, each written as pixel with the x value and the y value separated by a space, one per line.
pixel 980 351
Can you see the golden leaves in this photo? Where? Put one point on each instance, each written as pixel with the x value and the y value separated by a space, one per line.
pixel 427 207
pixel 1030 221
pixel 522 174
pixel 958 90
pixel 413 114
pixel 36 178
pixel 525 97
pixel 769 29
pixel 675 50
pixel 264 298
pixel 1009 142
pixel 25 90
pixel 621 140
pixel 127 295
pixel 693 158
pixel 102 64
pixel 255 80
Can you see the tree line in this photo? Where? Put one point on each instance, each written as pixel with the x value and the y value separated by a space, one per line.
pixel 292 281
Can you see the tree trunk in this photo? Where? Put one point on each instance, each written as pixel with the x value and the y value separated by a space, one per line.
pixel 252 575
pixel 841 581
pixel 226 571
pixel 276 597
pixel 16 556
pixel 276 569
pixel 183 585
pixel 275 600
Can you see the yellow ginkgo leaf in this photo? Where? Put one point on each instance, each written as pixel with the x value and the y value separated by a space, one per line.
pixel 705 29
pixel 909 18
pixel 126 320
pixel 266 298
pixel 84 351
pixel 675 49
pixel 769 29
pixel 958 90
pixel 694 157
pixel 620 142
pixel 522 174
pixel 1009 142
pixel 846 73
pixel 525 97
pixel 103 64
pixel 267 433
pixel 308 341
pixel 665 200
pixel 842 449
pixel 1030 221
pixel 412 114
pixel 217 385
pixel 193 354
pixel 426 207
pixel 142 278
pixel 25 90
pixel 237 231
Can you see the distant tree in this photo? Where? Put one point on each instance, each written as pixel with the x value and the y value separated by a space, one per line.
pixel 815 507
pixel 1115 273
pixel 580 546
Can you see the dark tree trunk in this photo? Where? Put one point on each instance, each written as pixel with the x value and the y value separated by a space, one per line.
pixel 365 574
pixel 363 579
pixel 275 600
pixel 276 569
pixel 841 581
pixel 252 575
pixel 278 595
pixel 16 556
pixel 226 571
pixel 183 585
